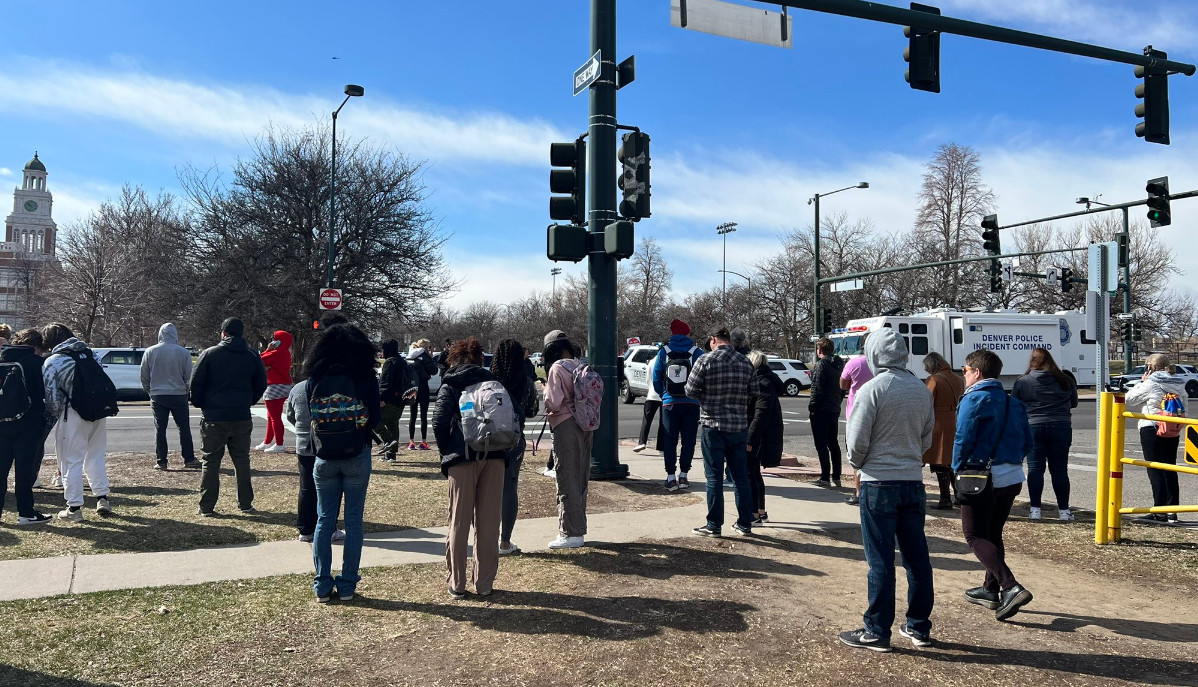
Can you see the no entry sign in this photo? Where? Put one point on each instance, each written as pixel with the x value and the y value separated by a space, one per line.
pixel 330 299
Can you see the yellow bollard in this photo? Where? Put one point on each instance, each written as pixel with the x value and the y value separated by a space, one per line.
pixel 1106 402
pixel 1115 497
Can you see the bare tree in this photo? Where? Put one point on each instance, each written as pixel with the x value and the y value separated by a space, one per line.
pixel 645 282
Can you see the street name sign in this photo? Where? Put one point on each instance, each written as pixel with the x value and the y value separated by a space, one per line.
pixel 848 285
pixel 733 21
pixel 588 73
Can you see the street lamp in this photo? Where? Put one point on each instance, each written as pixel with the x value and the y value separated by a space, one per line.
pixel 815 311
pixel 554 272
pixel 750 291
pixel 351 91
pixel 723 230
pixel 1124 240
pixel 1092 201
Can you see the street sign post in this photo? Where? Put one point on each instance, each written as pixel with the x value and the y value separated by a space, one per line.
pixel 849 285
pixel 330 299
pixel 588 73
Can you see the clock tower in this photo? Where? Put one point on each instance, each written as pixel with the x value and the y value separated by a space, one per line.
pixel 30 229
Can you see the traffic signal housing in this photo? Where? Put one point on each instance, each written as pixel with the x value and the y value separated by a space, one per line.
pixel 991 242
pixel 826 321
pixel 1126 327
pixel 995 277
pixel 1066 279
pixel 619 239
pixel 568 177
pixel 1153 92
pixel 923 53
pixel 1160 214
pixel 634 175
pixel 567 242
pixel 1136 334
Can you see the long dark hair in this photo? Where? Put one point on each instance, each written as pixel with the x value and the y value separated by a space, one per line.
pixel 342 345
pixel 507 366
pixel 1042 360
pixel 558 349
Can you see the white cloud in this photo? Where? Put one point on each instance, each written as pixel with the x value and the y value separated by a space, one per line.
pixel 503 279
pixel 1113 23
pixel 5 172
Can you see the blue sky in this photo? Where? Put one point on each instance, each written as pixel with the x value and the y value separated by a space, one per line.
pixel 110 93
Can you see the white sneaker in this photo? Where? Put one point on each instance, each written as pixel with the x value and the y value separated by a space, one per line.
pixel 261 447
pixel 1034 514
pixel 305 538
pixel 1066 516
pixel 551 474
pixel 338 535
pixel 102 506
pixel 638 448
pixel 275 448
pixel 72 515
pixel 56 480
pixel 563 542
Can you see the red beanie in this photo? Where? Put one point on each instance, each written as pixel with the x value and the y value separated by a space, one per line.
pixel 680 328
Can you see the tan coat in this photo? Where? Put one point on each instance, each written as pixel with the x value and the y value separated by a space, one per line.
pixel 946 388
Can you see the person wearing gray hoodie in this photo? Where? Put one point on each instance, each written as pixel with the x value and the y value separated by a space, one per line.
pixel 1159 379
pixel 165 376
pixel 888 432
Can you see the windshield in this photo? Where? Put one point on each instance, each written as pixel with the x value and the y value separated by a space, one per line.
pixel 849 345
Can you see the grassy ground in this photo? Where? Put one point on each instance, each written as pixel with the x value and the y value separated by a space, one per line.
pixel 763 610
pixel 156 511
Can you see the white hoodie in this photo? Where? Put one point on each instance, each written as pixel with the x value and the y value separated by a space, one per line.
pixel 1150 392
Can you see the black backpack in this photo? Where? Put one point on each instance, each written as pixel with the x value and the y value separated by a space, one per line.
pixel 93 395
pixel 339 417
pixel 14 395
pixel 678 370
pixel 400 379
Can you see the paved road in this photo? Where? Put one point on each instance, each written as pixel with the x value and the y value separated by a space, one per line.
pixel 133 430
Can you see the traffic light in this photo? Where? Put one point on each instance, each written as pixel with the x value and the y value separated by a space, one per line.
pixel 1136 334
pixel 634 177
pixel 1066 279
pixel 923 53
pixel 1159 212
pixel 1124 250
pixel 567 242
pixel 991 242
pixel 995 277
pixel 826 319
pixel 618 239
pixel 1126 327
pixel 568 177
pixel 1154 91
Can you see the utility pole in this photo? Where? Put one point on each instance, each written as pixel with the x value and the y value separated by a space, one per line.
pixel 601 296
pixel 723 230
pixel 1126 241
pixel 816 325
pixel 553 273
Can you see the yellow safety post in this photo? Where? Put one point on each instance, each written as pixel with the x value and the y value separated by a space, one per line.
pixel 1115 495
pixel 1106 402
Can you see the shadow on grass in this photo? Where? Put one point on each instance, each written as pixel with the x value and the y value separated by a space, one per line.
pixel 133 534
pixel 121 491
pixel 27 678
pixel 1156 671
pixel 612 618
pixel 1143 629
pixel 853 552
pixel 664 561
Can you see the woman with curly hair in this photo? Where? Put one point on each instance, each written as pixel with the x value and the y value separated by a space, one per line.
pixel 509 370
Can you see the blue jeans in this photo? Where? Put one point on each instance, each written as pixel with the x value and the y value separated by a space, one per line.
pixel 333 479
pixel 719 447
pixel 680 420
pixel 894 511
pixel 1052 442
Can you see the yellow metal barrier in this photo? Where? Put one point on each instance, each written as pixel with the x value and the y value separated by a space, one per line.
pixel 1109 510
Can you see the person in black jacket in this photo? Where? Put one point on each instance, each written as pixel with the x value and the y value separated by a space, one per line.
pixel 424 367
pixel 764 448
pixel 475 479
pixel 21 440
pixel 396 387
pixel 229 378
pixel 824 409
pixel 508 367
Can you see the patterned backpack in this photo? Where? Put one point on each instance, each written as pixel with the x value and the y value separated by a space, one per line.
pixel 339 417
pixel 588 397
pixel 1171 406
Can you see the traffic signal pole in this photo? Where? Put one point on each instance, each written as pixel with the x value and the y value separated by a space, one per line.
pixel 1126 290
pixel 601 296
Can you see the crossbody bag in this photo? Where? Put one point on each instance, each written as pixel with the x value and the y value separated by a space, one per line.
pixel 972 479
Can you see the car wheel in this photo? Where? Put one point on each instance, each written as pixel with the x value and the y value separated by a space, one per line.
pixel 1192 388
pixel 626 394
pixel 793 388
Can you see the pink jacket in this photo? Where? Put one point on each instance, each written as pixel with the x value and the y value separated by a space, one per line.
pixel 559 391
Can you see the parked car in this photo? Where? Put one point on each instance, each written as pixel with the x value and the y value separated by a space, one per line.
pixel 794 374
pixel 636 372
pixel 123 366
pixel 1187 372
pixel 538 358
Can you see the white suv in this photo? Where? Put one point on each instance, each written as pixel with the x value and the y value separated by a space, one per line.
pixel 636 372
pixel 793 373
pixel 123 366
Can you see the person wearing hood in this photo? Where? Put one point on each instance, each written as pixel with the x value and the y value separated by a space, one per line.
pixel 81 445
pixel 165 375
pixel 1050 397
pixel 228 380
pixel 764 449
pixel 824 411
pixel 21 438
pixel 277 359
pixel 396 389
pixel 475 478
pixel 888 432
pixel 679 413
pixel 992 430
pixel 1159 379
pixel 425 367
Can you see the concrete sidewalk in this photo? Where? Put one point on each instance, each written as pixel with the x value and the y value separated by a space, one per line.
pixel 791 504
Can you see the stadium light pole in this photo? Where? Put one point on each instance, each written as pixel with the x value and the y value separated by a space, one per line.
pixel 351 91
pixel 814 200
pixel 723 230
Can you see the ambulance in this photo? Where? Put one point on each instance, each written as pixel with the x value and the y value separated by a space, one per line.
pixel 1009 333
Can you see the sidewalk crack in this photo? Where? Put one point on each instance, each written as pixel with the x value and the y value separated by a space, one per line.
pixel 74 563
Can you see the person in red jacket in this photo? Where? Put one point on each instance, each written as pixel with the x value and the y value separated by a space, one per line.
pixel 277 359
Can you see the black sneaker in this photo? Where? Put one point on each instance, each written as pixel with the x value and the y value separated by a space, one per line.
pixel 160 465
pixel 1011 600
pixel 671 484
pixel 982 597
pixel 683 483
pixel 917 638
pixel 862 639
pixel 706 531
pixel 35 519
pixel 836 482
pixel 248 511
pixel 205 513
pixel 192 465
pixel 742 530
pixel 823 482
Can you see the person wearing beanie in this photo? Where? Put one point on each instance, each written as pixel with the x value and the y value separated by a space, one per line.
pixel 277 359
pixel 228 380
pixel 679 413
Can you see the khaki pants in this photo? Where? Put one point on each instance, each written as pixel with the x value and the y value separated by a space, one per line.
pixel 572 451
pixel 475 496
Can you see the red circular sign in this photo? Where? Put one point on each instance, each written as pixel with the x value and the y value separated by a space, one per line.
pixel 330 299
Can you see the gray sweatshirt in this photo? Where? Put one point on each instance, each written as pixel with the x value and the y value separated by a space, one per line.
pixel 892 420
pixel 298 415
pixel 166 366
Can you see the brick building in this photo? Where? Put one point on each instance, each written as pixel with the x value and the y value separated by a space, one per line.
pixel 29 242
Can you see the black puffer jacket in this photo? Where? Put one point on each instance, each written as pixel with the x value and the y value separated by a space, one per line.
pixel 33 420
pixel 228 379
pixel 765 417
pixel 447 417
pixel 826 393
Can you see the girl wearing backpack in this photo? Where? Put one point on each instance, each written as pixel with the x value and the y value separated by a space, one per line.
pixel 475 476
pixel 1157 385
pixel 571 443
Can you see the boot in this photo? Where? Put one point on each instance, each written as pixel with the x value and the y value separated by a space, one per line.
pixel 945 479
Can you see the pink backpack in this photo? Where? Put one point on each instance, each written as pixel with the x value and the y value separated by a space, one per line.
pixel 588 397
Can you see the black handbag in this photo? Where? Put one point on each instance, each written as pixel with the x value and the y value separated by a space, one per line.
pixel 973 479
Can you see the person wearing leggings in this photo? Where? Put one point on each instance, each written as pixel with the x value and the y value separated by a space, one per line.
pixel 425 367
pixel 508 368
pixel 277 359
